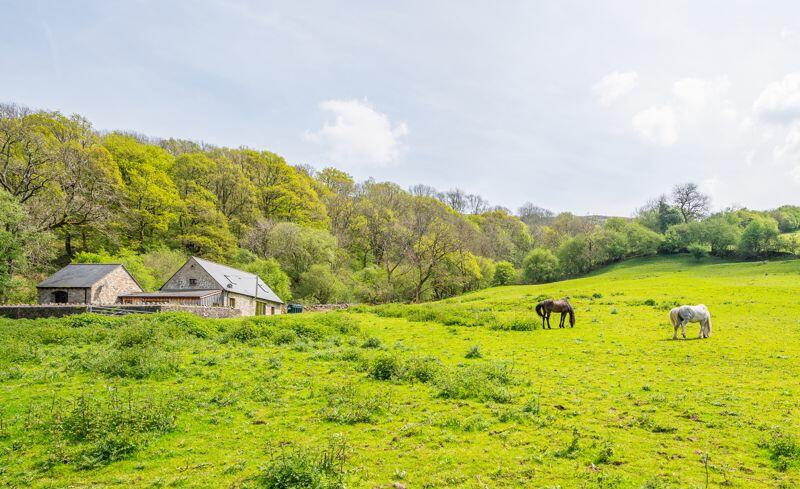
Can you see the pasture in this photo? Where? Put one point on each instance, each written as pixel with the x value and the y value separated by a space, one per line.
pixel 467 392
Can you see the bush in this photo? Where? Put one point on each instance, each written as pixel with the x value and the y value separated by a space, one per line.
pixel 540 265
pixel 424 369
pixel 386 366
pixel 88 320
pixel 474 352
pixel 699 250
pixel 504 273
pixel 783 450
pixel 301 468
pixel 371 342
pixel 484 382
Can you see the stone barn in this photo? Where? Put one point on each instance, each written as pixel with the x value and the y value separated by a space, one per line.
pixel 87 283
pixel 202 282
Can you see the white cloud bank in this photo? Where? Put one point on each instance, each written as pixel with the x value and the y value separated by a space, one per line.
pixel 615 85
pixel 658 125
pixel 359 135
pixel 780 100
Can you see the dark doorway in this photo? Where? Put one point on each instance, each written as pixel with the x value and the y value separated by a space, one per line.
pixel 60 297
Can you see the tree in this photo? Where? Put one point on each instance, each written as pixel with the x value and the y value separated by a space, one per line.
pixel 534 216
pixel 504 273
pixel 759 238
pixel 269 270
pixel 12 241
pixel 540 265
pixel 320 285
pixel 295 247
pixel 151 200
pixel 575 255
pixel 691 203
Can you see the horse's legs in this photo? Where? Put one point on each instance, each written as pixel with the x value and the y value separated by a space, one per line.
pixel 683 328
pixel 563 315
pixel 675 334
pixel 548 321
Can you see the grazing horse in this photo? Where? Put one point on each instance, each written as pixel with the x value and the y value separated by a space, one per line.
pixel 691 314
pixel 544 308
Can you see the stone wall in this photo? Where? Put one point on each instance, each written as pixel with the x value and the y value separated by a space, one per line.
pixel 74 295
pixel 110 287
pixel 324 307
pixel 191 271
pixel 60 310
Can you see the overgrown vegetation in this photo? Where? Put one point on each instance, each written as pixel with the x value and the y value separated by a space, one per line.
pixel 70 193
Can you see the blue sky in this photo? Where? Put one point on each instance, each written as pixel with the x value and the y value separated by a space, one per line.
pixel 592 107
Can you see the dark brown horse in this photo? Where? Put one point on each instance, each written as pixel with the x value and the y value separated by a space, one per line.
pixel 547 306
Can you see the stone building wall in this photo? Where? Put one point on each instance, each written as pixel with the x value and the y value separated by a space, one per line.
pixel 74 295
pixel 247 304
pixel 190 270
pixel 109 288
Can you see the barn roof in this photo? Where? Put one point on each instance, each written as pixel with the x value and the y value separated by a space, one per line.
pixel 80 275
pixel 238 281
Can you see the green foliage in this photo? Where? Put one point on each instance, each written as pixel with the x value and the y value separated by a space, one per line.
pixel 302 468
pixel 504 273
pixel 12 241
pixel 698 250
pixel 783 450
pixel 540 265
pixel 574 255
pixel 759 238
pixel 132 261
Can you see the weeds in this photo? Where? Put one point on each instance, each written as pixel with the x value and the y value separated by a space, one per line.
pixel 783 450
pixel 304 468
pixel 347 405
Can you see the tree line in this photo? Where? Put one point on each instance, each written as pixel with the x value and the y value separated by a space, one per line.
pixel 71 193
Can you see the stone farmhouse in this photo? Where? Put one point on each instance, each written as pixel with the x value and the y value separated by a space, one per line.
pixel 87 283
pixel 202 282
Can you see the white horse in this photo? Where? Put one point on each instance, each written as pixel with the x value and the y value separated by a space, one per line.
pixel 691 314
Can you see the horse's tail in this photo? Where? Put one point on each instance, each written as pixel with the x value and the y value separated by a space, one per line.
pixel 673 316
pixel 540 309
pixel 571 317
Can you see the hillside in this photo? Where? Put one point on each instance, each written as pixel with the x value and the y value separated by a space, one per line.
pixel 399 393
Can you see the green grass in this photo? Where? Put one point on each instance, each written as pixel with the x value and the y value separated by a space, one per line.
pixel 467 392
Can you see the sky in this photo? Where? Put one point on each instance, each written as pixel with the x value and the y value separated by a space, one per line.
pixel 590 107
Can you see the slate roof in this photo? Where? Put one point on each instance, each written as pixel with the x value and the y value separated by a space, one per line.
pixel 80 275
pixel 237 281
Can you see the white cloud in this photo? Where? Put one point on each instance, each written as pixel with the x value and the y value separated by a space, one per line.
pixel 780 101
pixel 615 85
pixel 657 125
pixel 359 135
pixel 790 149
pixel 699 92
pixel 787 33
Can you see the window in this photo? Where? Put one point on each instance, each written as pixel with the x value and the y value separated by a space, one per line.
pixel 272 310
pixel 60 297
pixel 261 308
pixel 192 281
pixel 232 303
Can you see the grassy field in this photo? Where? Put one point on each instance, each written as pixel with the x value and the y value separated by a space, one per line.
pixel 467 392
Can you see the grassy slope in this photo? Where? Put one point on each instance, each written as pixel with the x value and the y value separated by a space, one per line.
pixel 615 381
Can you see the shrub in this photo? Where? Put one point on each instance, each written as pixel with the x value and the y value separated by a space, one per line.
pixel 284 337
pixel 540 265
pixel 371 342
pixel 698 250
pixel 302 468
pixel 504 273
pixel 88 320
pixel 242 332
pixel 386 366
pixel 783 450
pixel 474 352
pixel 423 369
pixel 484 382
